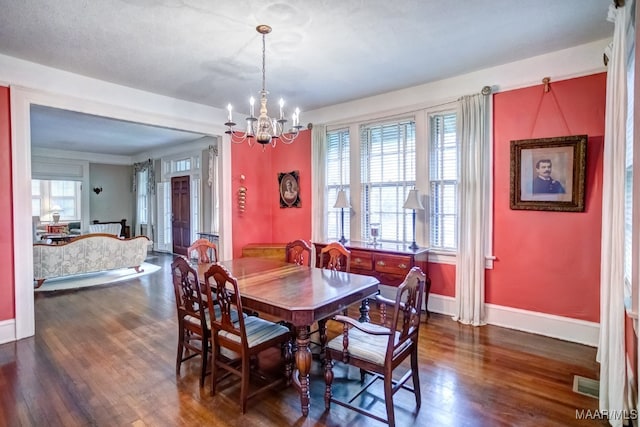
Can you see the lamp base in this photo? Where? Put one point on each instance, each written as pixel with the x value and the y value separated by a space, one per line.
pixel 414 246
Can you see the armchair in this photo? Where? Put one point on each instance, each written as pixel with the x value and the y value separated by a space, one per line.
pixel 379 349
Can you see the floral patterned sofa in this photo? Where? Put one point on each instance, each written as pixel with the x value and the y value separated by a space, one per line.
pixel 87 254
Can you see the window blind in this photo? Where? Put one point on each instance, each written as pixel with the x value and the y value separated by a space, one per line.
pixel 443 182
pixel 388 172
pixel 337 178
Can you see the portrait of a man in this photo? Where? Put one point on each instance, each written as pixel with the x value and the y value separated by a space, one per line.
pixel 548 174
pixel 543 182
pixel 289 189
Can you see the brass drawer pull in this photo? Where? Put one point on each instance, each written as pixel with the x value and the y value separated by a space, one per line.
pixel 381 263
pixel 358 260
pixel 403 266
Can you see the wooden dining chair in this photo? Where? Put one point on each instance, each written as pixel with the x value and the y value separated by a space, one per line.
pixel 335 256
pixel 379 349
pixel 193 332
pixel 298 252
pixel 203 246
pixel 246 337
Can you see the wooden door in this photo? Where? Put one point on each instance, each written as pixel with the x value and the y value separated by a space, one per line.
pixel 181 214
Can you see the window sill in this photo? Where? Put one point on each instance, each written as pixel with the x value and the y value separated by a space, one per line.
pixel 445 257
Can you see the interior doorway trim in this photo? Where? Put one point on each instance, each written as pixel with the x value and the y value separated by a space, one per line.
pixel 21 99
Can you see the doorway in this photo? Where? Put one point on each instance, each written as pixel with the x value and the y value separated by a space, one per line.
pixel 181 214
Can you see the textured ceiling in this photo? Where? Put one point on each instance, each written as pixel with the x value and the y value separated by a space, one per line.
pixel 320 52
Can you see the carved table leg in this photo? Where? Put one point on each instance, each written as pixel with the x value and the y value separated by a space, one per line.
pixel 303 364
pixel 322 329
pixel 364 311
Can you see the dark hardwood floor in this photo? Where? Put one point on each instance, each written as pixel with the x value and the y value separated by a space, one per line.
pixel 105 356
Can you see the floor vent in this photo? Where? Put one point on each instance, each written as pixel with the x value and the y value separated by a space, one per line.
pixel 586 386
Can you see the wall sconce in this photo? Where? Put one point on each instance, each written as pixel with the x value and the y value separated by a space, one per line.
pixel 242 195
pixel 242 198
pixel 97 190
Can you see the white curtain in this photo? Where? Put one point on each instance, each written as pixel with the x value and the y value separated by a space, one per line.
pixel 611 345
pixel 143 173
pixel 319 182
pixel 213 183
pixel 473 198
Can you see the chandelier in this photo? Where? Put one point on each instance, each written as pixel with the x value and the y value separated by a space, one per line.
pixel 264 129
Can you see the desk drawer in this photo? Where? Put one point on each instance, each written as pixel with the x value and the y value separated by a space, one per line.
pixel 361 260
pixel 394 264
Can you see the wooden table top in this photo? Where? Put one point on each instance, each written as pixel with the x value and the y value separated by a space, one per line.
pixel 298 294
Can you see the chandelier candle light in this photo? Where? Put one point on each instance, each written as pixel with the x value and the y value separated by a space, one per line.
pixel 413 202
pixel 342 203
pixel 263 128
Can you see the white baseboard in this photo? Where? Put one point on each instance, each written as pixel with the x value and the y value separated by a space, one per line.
pixel 564 328
pixel 7 331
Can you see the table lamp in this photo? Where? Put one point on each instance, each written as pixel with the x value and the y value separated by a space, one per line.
pixel 413 202
pixel 342 202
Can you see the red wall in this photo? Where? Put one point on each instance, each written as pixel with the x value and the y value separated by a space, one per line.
pixel 549 262
pixel 6 211
pixel 263 221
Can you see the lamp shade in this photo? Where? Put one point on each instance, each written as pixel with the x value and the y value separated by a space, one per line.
pixel 413 200
pixel 341 201
pixel 55 208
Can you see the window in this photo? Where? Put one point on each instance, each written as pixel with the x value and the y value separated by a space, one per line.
pixel 388 172
pixel 443 182
pixel 46 194
pixel 142 194
pixel 337 178
pixel 631 285
pixel 182 165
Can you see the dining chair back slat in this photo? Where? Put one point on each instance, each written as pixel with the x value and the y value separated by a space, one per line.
pixel 298 252
pixel 335 256
pixel 203 247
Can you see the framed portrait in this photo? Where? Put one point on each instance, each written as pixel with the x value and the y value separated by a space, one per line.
pixel 289 185
pixel 548 174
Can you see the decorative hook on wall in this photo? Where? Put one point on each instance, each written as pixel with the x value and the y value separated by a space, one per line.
pixel 97 190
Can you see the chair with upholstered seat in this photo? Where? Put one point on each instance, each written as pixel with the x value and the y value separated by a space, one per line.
pixel 193 331
pixel 247 337
pixel 379 349
pixel 298 252
pixel 203 246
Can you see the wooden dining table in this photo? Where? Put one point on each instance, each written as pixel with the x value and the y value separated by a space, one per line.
pixel 299 295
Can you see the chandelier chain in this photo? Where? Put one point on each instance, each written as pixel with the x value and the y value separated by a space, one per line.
pixel 264 50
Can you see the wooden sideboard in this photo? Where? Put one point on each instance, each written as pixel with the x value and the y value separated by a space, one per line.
pixel 265 250
pixel 389 263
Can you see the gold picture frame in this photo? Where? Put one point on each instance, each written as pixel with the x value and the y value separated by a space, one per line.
pixel 548 174
pixel 289 185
